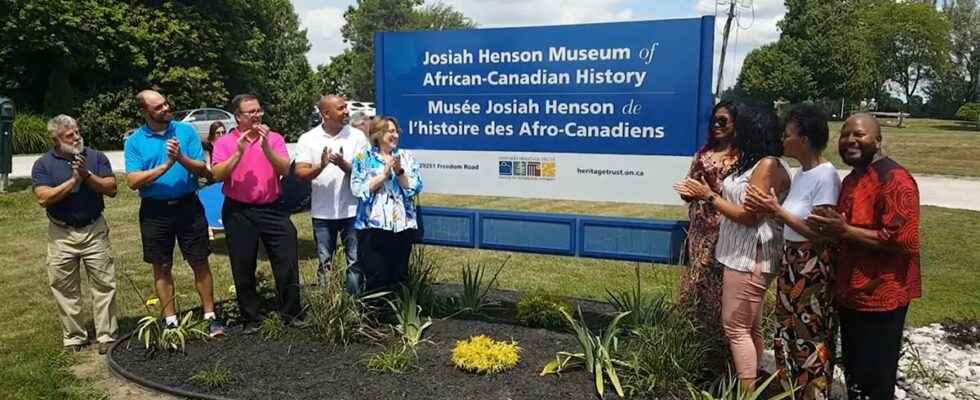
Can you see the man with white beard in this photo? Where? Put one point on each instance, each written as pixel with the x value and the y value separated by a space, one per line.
pixel 70 182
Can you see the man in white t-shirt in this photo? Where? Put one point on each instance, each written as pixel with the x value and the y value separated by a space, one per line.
pixel 323 157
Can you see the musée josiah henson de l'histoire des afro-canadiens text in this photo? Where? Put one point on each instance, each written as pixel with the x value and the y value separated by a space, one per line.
pixel 530 107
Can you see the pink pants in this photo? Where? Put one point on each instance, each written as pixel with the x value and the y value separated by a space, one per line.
pixel 743 294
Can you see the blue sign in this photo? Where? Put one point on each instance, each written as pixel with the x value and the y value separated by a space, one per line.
pixel 635 88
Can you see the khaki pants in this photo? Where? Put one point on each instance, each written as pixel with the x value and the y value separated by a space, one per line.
pixel 68 249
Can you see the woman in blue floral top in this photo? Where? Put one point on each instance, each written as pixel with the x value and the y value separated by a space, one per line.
pixel 384 179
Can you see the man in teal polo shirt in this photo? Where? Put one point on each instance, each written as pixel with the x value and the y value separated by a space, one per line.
pixel 164 158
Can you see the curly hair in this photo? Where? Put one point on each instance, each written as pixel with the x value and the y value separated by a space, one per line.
pixel 759 135
pixel 811 122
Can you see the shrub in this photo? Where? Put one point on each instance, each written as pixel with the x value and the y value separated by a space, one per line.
pixel 393 359
pixel 214 376
pixel 597 354
pixel 157 336
pixel 476 287
pixel 336 316
pixel 107 117
pixel 643 309
pixel 664 358
pixel 272 327
pixel 411 325
pixel 543 310
pixel 30 134
pixel 421 274
pixel 483 355
pixel 969 112
pixel 730 389
pixel 963 332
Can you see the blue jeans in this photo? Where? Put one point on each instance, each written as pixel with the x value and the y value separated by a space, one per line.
pixel 325 233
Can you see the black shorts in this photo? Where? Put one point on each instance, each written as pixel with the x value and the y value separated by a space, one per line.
pixel 163 221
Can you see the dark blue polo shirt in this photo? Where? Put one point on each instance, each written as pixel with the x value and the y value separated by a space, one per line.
pixel 80 207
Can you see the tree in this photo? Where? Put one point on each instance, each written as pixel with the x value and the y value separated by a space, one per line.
pixel 371 16
pixel 827 38
pixel 84 56
pixel 960 83
pixel 911 43
pixel 769 74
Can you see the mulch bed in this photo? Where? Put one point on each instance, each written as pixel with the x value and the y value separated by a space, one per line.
pixel 298 367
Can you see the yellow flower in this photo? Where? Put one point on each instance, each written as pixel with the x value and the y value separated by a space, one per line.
pixel 484 355
pixel 152 301
pixel 231 289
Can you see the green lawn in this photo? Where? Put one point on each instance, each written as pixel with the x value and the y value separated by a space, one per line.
pixel 33 366
pixel 925 146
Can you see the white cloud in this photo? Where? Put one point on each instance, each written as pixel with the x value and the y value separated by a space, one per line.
pixel 322 26
pixel 757 21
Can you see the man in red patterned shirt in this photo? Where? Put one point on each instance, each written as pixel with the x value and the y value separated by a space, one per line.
pixel 876 226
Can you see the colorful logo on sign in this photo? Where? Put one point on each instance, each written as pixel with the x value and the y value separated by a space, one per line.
pixel 527 168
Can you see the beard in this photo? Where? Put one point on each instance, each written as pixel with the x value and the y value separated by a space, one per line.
pixel 72 148
pixel 163 118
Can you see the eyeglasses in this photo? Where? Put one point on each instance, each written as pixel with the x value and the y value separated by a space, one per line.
pixel 253 113
pixel 719 122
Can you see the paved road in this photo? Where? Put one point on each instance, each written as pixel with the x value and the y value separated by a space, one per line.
pixel 942 191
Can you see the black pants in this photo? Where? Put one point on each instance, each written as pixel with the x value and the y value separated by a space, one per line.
pixel 245 225
pixel 382 259
pixel 872 345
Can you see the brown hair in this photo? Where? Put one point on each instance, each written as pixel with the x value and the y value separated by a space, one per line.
pixel 213 131
pixel 378 126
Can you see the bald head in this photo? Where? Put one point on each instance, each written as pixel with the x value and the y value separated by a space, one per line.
pixel 866 122
pixel 333 108
pixel 146 97
pixel 860 140
pixel 155 108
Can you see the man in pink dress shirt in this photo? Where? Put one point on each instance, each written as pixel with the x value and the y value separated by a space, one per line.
pixel 249 160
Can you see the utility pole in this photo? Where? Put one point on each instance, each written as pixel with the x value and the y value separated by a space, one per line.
pixel 724 46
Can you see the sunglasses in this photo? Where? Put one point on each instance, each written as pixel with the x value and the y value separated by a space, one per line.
pixel 719 122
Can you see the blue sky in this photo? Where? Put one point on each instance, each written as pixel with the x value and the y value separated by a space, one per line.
pixel 757 20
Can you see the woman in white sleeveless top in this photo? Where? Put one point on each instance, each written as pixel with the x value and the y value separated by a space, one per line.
pixel 804 339
pixel 750 242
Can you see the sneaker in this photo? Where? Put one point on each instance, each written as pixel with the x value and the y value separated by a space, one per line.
pixel 104 347
pixel 216 329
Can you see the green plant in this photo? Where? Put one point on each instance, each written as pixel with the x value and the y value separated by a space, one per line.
pixel 228 312
pixel 337 317
pixel 272 327
pixel 663 357
pixel 596 353
pixel 484 355
pixel 919 371
pixel 643 309
pixel 731 389
pixel 155 335
pixel 214 376
pixel 30 134
pixel 969 112
pixel 542 310
pixel 475 286
pixel 153 331
pixel 393 359
pixel 421 275
pixel 410 322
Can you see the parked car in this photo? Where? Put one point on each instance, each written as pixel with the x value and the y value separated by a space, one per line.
pixel 353 106
pixel 202 118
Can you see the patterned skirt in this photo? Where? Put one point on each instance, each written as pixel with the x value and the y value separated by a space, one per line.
pixel 804 340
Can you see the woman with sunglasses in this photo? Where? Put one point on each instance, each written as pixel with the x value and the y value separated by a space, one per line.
pixel 700 285
pixel 750 242
pixel 217 130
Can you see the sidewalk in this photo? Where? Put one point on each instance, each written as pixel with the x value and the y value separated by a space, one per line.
pixel 934 190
